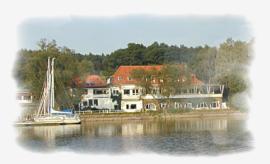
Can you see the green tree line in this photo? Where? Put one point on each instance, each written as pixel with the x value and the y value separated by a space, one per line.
pixel 226 63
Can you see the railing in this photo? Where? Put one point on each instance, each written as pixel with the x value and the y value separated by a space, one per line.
pixel 90 96
pixel 99 111
pixel 131 96
pixel 148 96
pixel 25 101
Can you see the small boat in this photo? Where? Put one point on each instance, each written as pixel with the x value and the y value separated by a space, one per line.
pixel 46 114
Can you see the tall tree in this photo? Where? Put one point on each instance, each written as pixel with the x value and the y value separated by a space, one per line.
pixel 231 65
pixel 203 64
pixel 31 68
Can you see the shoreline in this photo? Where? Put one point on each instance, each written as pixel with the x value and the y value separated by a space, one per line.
pixel 89 117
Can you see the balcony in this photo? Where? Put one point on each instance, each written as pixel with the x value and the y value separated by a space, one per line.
pixel 157 96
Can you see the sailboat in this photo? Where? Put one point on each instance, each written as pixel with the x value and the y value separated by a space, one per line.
pixel 46 114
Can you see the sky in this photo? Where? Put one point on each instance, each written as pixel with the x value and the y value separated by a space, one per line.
pixel 106 34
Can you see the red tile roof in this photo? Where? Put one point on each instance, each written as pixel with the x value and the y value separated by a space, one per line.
pixel 195 80
pixel 94 81
pixel 123 74
pixel 91 81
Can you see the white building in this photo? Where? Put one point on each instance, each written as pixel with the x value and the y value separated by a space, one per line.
pixel 131 98
pixel 24 97
pixel 197 96
pixel 121 92
pixel 97 94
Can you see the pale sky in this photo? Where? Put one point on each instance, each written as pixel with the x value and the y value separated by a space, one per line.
pixel 107 34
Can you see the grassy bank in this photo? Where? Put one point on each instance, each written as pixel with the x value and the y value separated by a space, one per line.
pixel 161 115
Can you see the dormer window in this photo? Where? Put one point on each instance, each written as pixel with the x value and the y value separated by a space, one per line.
pixel 119 78
pixel 129 78
pixel 89 84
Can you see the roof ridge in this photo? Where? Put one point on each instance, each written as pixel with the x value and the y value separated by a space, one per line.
pixel 139 65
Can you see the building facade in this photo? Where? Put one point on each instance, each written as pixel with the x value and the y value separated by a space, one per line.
pixel 24 97
pixel 97 95
pixel 122 92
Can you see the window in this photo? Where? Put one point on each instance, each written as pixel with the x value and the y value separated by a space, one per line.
pixel 116 107
pixel 215 104
pixel 97 92
pixel 163 105
pixel 96 102
pixel 180 106
pixel 126 91
pixel 135 91
pixel 119 78
pixel 155 91
pixel 189 105
pixel 133 106
pixel 150 106
pixel 84 103
pixel 201 105
pixel 177 105
pixel 100 91
pixel 129 78
pixel 27 97
pixel 90 102
pixel 115 91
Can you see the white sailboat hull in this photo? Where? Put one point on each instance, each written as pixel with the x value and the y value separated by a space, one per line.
pixel 57 119
pixel 51 120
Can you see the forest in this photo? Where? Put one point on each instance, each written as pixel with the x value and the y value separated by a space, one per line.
pixel 228 64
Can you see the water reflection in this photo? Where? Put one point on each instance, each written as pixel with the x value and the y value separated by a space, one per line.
pixel 190 136
pixel 46 136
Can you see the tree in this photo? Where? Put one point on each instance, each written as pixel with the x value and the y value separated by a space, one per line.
pixel 226 64
pixel 203 64
pixel 169 78
pixel 144 78
pixel 167 81
pixel 31 68
pixel 232 62
pixel 85 67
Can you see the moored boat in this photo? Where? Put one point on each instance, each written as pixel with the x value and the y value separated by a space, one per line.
pixel 46 114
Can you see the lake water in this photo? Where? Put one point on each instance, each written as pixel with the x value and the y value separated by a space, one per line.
pixel 213 136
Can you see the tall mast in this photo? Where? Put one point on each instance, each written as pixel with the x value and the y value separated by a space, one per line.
pixel 49 86
pixel 52 85
pixel 41 107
